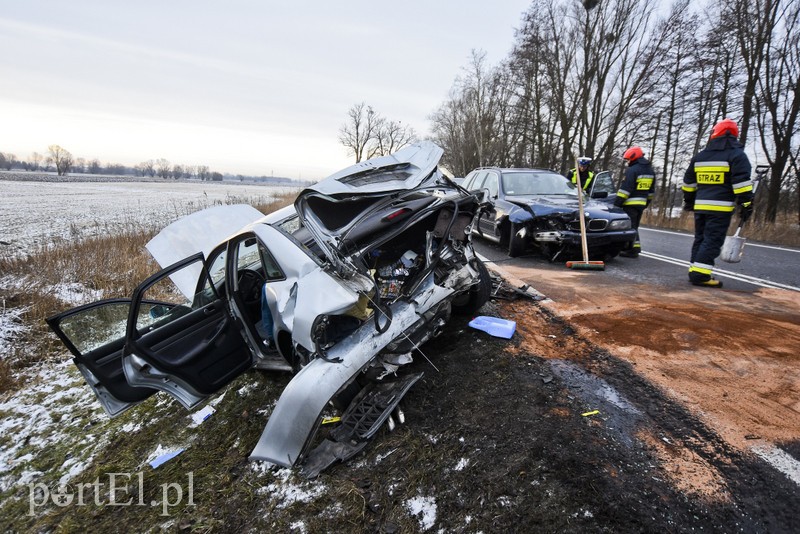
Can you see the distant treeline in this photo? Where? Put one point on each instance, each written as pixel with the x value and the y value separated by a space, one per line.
pixel 62 162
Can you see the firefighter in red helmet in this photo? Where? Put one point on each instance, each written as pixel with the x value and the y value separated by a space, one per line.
pixel 635 193
pixel 717 180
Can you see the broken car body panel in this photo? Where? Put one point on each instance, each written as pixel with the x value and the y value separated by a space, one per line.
pixel 367 265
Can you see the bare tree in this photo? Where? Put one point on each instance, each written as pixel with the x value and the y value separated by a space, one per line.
pixel 7 161
pixel 177 171
pixel 61 158
pixel 392 136
pixel 360 131
pixel 778 100
pixel 163 168
pixel 35 161
pixel 202 172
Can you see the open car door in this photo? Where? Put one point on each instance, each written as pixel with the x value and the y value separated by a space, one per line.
pixel 194 348
pixel 603 187
pixel 95 335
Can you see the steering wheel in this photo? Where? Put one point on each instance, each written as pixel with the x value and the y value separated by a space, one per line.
pixel 250 285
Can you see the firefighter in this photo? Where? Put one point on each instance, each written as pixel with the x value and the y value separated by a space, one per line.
pixel 636 193
pixel 583 168
pixel 717 180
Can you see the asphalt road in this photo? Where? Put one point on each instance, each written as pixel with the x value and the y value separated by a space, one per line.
pixel 665 262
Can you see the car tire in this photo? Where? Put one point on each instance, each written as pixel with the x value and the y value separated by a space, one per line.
pixel 505 234
pixel 516 244
pixel 478 294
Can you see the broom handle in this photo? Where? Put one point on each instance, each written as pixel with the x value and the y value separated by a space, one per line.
pixel 584 246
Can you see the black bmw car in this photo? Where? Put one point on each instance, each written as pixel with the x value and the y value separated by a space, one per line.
pixel 538 209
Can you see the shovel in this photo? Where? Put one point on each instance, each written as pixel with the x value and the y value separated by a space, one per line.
pixel 584 265
pixel 733 247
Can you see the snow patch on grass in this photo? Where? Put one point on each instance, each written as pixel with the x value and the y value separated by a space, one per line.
pixel 424 508
pixel 75 293
pixel 287 492
pixel 10 327
pixel 44 414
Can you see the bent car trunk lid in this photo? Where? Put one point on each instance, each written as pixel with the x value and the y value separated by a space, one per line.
pixel 330 208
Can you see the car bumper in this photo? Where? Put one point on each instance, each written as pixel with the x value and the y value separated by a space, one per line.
pixel 593 239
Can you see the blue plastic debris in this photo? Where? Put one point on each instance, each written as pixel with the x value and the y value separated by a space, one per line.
pixel 494 326
pixel 165 458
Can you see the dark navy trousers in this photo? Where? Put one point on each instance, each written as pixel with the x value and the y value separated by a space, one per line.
pixel 709 235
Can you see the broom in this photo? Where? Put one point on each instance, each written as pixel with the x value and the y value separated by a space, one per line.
pixel 584 265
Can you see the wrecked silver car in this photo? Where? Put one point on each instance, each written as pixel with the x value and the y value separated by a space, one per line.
pixel 366 266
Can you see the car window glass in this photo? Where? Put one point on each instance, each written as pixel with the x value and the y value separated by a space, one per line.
pixel 603 182
pixel 491 183
pixel 216 269
pixel 96 327
pixel 537 183
pixel 247 254
pixel 477 183
pixel 271 269
pixel 169 302
pixel 469 180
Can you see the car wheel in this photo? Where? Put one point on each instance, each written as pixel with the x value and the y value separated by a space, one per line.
pixel 478 294
pixel 505 234
pixel 516 244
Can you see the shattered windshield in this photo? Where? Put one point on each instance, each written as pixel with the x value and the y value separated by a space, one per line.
pixel 537 183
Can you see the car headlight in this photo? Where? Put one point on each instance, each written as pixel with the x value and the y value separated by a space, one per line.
pixel 620 224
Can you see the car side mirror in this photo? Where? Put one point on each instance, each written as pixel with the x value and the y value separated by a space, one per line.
pixel 599 194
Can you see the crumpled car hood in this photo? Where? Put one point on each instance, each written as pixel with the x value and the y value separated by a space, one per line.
pixel 542 205
pixel 404 170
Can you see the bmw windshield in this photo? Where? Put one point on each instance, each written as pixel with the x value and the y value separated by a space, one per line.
pixel 537 183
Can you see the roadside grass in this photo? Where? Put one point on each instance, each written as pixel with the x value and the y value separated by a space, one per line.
pixel 52 425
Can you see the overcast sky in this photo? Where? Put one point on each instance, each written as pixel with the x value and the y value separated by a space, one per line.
pixel 258 87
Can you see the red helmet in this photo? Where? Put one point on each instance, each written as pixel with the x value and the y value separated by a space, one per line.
pixel 725 126
pixel 633 153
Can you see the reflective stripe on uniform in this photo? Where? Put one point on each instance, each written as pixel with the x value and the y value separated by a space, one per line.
pixel 713 205
pixel 712 166
pixel 623 194
pixel 689 187
pixel 702 268
pixel 635 201
pixel 743 187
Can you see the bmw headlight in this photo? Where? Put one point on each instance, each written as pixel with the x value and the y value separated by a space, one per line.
pixel 620 224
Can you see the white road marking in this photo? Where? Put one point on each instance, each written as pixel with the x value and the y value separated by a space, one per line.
pixel 749 243
pixel 780 460
pixel 722 272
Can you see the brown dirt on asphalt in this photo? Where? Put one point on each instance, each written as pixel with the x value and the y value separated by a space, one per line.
pixel 731 357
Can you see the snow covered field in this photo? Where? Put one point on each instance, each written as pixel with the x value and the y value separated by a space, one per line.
pixel 38 213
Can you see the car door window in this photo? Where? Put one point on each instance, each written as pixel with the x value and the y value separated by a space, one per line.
pixel 175 304
pixel 492 184
pixel 603 183
pixel 469 179
pixel 477 183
